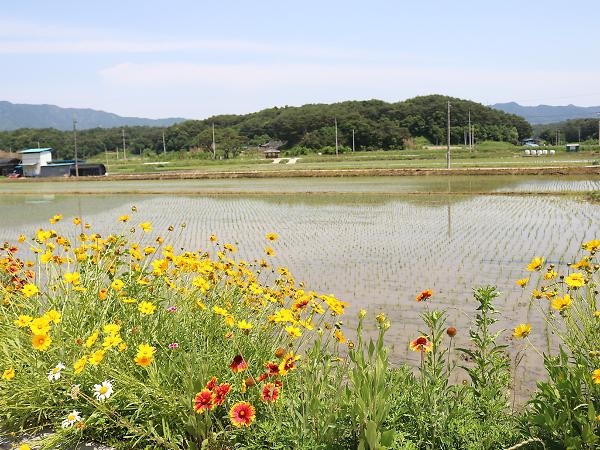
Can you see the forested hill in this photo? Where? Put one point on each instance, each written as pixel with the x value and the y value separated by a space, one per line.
pixel 14 116
pixel 376 124
pixel 545 114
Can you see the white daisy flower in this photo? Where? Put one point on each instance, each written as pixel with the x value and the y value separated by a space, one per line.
pixel 103 391
pixel 54 374
pixel 71 419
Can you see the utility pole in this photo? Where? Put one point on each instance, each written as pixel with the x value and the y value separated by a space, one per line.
pixel 448 140
pixel 579 135
pixel 38 144
pixel 214 144
pixel 124 150
pixel 353 139
pixel 470 133
pixel 75 143
pixel 336 136
pixel 164 145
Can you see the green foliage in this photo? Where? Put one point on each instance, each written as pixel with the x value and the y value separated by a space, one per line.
pixel 367 391
pixel 376 125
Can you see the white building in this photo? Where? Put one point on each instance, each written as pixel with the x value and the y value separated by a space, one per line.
pixel 33 159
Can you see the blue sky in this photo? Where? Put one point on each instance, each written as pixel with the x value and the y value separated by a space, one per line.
pixel 196 58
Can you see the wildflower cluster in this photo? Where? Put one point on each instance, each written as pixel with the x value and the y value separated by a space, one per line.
pixel 122 321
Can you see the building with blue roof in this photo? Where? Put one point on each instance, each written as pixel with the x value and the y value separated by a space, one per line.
pixel 33 159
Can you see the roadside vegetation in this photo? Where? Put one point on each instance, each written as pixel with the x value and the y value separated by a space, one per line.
pixel 125 340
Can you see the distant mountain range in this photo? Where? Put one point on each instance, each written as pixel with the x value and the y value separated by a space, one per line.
pixel 14 116
pixel 542 114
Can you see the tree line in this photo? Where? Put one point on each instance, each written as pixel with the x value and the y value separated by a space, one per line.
pixel 573 130
pixel 371 125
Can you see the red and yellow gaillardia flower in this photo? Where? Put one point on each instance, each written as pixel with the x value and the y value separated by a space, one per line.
pixel 421 344
pixel 238 364
pixel 204 400
pixel 242 414
pixel 425 295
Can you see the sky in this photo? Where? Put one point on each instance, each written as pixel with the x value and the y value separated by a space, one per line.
pixel 194 59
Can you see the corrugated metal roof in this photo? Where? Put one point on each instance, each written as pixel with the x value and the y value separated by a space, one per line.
pixel 35 150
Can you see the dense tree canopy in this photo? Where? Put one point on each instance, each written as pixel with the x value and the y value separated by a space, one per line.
pixel 376 125
pixel 570 130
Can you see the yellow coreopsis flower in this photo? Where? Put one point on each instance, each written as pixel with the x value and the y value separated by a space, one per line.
pixel 92 339
pixel 147 307
pixel 52 316
pixel 596 376
pixel 29 290
pixel 23 321
pixel 40 325
pixel 272 236
pixel 243 325
pixel 535 264
pixel 575 280
pixel 41 342
pixel 76 221
pixel 8 374
pixel 550 275
pixel 293 331
pixel 46 257
pixel 592 246
pixel 339 336
pixel 522 330
pixel 560 303
pixel 146 226
pixel 96 357
pixel 111 328
pixel 79 365
pixel 522 282
pixel 72 277
pixel 269 251
pixel 123 218
pixel 117 285
pixel 56 218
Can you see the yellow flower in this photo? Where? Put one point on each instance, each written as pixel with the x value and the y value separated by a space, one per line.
pixel 46 257
pixel 8 374
pixel 129 300
pixel 272 236
pixel 52 316
pixel 76 221
pixel 560 303
pixel 147 307
pixel 522 330
pixel 145 355
pixel 111 341
pixel 230 248
pixel 550 275
pixel 200 304
pixel 243 325
pixel 339 336
pixel 92 339
pixel 117 285
pixel 201 283
pixel 124 218
pixel 213 238
pixel 56 218
pixel 575 280
pixel 41 325
pixel 522 282
pixel 293 331
pixel 596 376
pixel 23 321
pixel 269 251
pixel 111 328
pixel 29 289
pixel 22 238
pixel 146 226
pixel 96 357
pixel 79 365
pixel 72 277
pixel 159 266
pixel 41 342
pixel 149 250
pixel 592 246
pixel 535 264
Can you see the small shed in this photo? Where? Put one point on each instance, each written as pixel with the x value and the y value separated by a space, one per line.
pixel 33 159
pixel 572 147
pixel 271 153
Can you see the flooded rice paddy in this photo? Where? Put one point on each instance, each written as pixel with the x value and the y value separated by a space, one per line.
pixel 376 250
